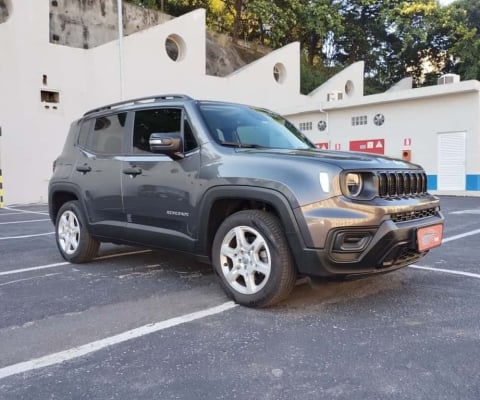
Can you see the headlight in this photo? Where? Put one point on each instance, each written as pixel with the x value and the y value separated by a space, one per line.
pixel 354 184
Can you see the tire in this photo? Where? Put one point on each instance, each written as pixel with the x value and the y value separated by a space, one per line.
pixel 252 259
pixel 73 239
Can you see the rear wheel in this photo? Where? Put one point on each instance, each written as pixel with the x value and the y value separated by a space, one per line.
pixel 73 239
pixel 251 256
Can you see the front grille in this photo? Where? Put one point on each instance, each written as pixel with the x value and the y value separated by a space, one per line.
pixel 412 215
pixel 396 184
pixel 400 257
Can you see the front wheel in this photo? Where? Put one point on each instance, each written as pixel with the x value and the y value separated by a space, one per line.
pixel 73 239
pixel 252 259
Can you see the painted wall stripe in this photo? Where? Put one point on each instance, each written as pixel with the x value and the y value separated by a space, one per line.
pixel 88 348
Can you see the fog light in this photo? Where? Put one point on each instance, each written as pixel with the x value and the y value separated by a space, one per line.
pixel 351 241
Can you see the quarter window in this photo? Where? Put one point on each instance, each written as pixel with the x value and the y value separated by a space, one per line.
pixel 83 134
pixel 107 135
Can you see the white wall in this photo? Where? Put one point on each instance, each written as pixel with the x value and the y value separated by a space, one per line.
pixel 32 135
pixel 417 114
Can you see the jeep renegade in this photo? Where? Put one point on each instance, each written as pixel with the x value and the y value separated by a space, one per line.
pixel 241 188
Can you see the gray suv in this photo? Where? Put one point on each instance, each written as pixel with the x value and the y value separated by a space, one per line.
pixel 238 187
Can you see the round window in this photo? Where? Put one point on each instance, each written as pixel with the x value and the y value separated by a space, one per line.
pixel 175 47
pixel 279 72
pixel 349 88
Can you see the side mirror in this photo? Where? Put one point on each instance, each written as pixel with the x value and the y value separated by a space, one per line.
pixel 169 144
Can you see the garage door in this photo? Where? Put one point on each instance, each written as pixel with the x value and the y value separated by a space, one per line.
pixel 451 161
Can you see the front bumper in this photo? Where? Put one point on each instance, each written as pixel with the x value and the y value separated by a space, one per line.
pixel 354 249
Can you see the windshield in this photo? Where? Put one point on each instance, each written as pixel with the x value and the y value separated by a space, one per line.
pixel 243 126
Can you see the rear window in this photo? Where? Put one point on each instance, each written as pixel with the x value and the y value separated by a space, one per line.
pixel 106 136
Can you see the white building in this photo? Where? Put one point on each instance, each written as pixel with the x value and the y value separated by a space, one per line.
pixel 437 126
pixel 45 86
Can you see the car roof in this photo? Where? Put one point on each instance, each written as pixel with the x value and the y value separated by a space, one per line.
pixel 126 104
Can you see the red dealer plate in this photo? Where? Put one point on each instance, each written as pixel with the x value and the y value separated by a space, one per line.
pixel 430 236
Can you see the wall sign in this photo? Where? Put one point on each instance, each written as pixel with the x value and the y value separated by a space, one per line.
pixel 376 146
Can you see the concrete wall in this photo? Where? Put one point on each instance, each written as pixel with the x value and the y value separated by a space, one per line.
pixel 90 23
pixel 33 132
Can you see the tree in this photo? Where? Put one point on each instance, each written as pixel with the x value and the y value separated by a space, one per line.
pixel 319 22
pixel 464 51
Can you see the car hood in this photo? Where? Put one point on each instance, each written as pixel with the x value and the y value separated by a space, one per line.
pixel 341 159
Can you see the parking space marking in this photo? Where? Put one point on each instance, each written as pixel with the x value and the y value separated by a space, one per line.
pixel 446 271
pixel 26 236
pixel 76 352
pixel 25 211
pixel 60 264
pixel 24 222
pixel 9 213
pixel 29 279
pixel 461 235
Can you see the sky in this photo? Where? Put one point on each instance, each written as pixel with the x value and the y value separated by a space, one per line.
pixel 445 2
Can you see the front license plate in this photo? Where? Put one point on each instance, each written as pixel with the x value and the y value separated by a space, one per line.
pixel 430 236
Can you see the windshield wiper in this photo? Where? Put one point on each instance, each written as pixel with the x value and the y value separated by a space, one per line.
pixel 242 145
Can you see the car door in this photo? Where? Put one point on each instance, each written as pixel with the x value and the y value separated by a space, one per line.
pixel 98 172
pixel 157 190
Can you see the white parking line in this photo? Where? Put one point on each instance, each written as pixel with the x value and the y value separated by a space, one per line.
pixel 9 213
pixel 22 270
pixel 460 236
pixel 446 271
pixel 88 348
pixel 26 236
pixel 450 271
pixel 29 279
pixel 24 222
pixel 26 211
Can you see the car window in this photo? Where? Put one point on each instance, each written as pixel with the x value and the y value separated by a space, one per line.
pixel 84 132
pixel 107 135
pixel 232 124
pixel 161 120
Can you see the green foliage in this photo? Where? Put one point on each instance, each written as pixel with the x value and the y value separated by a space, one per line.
pixel 312 77
pixel 465 50
pixel 395 38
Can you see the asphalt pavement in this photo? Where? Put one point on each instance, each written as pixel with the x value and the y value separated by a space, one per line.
pixel 142 324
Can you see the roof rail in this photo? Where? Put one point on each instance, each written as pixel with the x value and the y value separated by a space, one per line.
pixel 138 101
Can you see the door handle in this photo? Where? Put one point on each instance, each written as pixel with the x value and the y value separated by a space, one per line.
pixel 132 171
pixel 84 168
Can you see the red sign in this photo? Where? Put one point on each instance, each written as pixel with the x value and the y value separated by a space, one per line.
pixel 376 146
pixel 322 145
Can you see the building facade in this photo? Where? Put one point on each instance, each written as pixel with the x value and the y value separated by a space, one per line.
pixel 45 86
